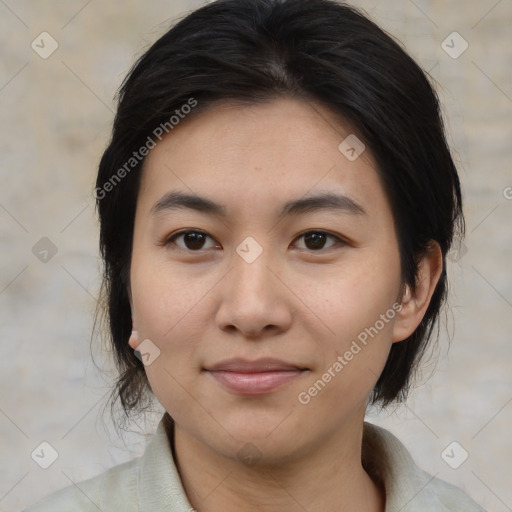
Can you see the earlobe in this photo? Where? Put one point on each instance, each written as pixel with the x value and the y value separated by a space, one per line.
pixel 415 301
pixel 134 338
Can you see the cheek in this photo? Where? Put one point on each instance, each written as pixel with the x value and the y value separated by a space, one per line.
pixel 354 296
pixel 164 296
pixel 359 306
pixel 161 314
pixel 168 310
pixel 361 314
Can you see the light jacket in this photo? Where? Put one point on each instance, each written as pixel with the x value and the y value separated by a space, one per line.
pixel 151 483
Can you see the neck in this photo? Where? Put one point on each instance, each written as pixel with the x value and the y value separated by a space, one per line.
pixel 330 476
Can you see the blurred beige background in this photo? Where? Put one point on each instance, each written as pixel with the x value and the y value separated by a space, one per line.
pixel 56 117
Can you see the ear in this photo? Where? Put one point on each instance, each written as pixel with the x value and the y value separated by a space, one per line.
pixel 134 336
pixel 415 302
pixel 134 339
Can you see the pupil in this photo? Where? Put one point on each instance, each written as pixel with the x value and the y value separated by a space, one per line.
pixel 194 238
pixel 317 239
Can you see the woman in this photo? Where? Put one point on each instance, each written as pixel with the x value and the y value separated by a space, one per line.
pixel 276 206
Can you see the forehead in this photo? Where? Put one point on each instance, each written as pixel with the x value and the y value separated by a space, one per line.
pixel 262 156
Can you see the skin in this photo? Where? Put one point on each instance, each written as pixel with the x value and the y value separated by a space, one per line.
pixel 295 302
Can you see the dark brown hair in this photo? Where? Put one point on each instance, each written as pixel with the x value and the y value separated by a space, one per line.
pixel 252 51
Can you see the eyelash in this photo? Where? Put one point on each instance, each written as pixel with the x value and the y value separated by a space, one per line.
pixel 170 240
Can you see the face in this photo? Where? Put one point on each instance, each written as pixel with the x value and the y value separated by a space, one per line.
pixel 263 324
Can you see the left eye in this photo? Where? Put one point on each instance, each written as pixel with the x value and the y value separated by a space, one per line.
pixel 317 239
pixel 194 240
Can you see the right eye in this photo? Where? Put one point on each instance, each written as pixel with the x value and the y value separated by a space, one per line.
pixel 193 240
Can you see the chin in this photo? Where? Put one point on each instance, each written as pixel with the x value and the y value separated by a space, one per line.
pixel 262 451
pixel 267 437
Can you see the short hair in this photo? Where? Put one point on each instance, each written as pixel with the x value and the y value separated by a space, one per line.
pixel 252 51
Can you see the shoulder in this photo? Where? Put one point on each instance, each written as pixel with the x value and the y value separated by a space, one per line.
pixel 89 495
pixel 449 497
pixel 149 482
pixel 408 487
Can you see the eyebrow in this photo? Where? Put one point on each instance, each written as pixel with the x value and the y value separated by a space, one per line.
pixel 324 201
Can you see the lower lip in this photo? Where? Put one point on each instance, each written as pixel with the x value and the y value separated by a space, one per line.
pixel 254 383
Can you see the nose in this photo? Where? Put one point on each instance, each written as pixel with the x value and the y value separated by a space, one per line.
pixel 254 300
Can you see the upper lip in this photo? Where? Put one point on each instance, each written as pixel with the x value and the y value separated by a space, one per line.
pixel 258 365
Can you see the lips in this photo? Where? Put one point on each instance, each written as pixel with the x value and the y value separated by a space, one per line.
pixel 260 365
pixel 258 377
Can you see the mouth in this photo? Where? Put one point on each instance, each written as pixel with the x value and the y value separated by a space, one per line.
pixel 258 377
